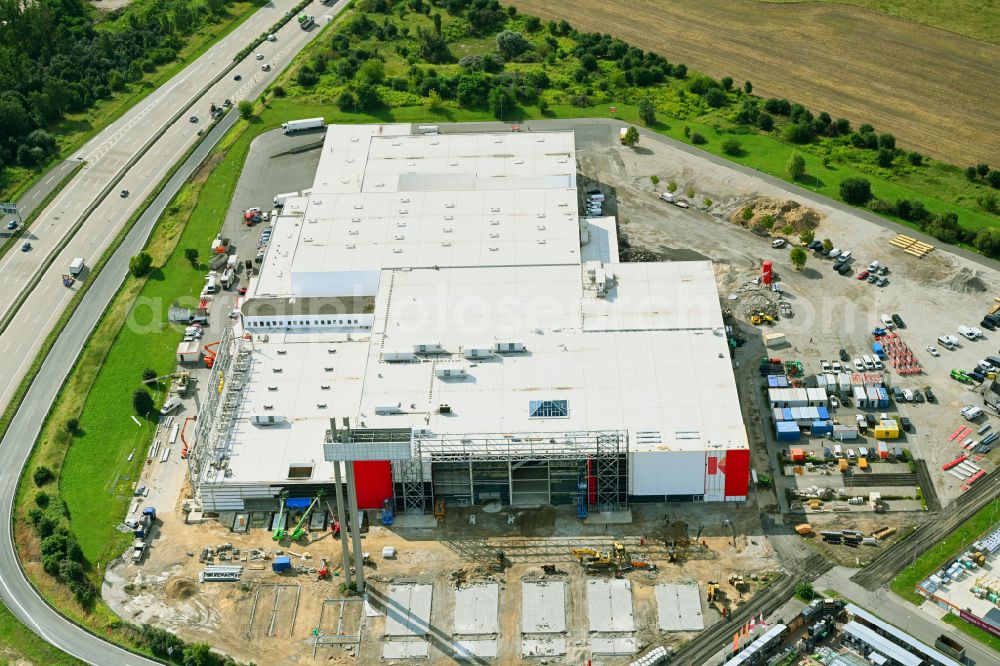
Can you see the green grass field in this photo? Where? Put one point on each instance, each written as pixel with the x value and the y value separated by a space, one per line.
pixel 979 19
pixel 19 646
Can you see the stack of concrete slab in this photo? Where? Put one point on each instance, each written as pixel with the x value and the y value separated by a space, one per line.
pixel 678 607
pixel 476 621
pixel 612 622
pixel 543 618
pixel 407 621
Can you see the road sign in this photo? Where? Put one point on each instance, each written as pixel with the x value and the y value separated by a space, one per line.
pixel 8 208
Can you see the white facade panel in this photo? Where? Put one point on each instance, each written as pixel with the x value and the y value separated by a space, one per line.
pixel 668 473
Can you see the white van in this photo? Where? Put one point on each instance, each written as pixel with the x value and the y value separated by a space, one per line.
pixel 948 341
pixel 869 362
pixel 76 267
pixel 211 284
pixel 878 363
pixel 170 405
pixel 967 332
pixel 838 451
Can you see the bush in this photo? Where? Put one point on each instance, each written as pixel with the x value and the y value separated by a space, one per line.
pixel 804 591
pixel 796 166
pixel 72 426
pixel 140 264
pixel 647 113
pixel 807 236
pixel 672 186
pixel 511 44
pixel 42 499
pixel 279 91
pixel 747 214
pixel 697 139
pixel 245 107
pixel 798 133
pixel 915 158
pixel 993 178
pixel 856 191
pixel 779 107
pixel 798 258
pixel 732 146
pixel 884 157
pixel 42 475
pixel 191 255
pixel 654 179
pixel 706 202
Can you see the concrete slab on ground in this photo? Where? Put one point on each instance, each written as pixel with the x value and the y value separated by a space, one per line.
pixel 609 518
pixel 609 605
pixel 476 609
pixel 404 650
pixel 415 522
pixel 543 607
pixel 933 609
pixel 619 646
pixel 678 607
pixel 542 647
pixel 408 610
pixel 475 649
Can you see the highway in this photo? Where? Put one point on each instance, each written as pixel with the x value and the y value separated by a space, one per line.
pixel 114 153
pixel 118 158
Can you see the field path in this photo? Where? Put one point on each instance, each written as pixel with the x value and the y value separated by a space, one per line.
pixel 938 92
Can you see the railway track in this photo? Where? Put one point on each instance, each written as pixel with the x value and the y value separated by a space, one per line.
pixel 894 559
pixel 719 635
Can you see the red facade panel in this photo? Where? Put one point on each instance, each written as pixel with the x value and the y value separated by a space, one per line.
pixel 737 472
pixel 373 482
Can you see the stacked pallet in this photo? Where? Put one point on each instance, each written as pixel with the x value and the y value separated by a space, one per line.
pixel 911 245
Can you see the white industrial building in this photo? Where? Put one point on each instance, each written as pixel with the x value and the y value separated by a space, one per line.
pixel 472 338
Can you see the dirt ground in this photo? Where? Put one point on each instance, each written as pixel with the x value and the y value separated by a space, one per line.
pixel 851 62
pixel 933 295
pixel 164 588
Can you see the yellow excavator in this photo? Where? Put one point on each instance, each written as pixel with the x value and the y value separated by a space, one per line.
pixel 593 558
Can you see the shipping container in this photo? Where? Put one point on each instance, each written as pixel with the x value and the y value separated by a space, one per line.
pixel 798 455
pixel 821 428
pixel 883 450
pixel 844 432
pixel 787 431
pixel 887 429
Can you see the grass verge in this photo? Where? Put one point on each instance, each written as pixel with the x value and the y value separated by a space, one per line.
pixel 932 558
pixel 21 646
pixel 973 631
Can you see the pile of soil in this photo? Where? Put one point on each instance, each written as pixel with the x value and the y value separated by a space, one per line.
pixel 786 213
pixel 966 281
pixel 180 588
pixel 637 255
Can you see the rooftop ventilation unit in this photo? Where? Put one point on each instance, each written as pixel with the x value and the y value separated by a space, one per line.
pixel 428 348
pixel 266 419
pixel 389 409
pixel 443 409
pixel 451 373
pixel 398 356
pixel 508 347
pixel 477 352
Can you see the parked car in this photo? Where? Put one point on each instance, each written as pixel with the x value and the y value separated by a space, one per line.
pixel 967 332
pixel 918 395
pixel 988 325
pixel 862 275
pixel 260 56
pixel 825 365
pixel 933 350
pixel 193 119
pixel 26 246
pixel 985 366
pixel 778 242
pixel 882 270
pixel 844 256
pixel 887 321
pixel 898 321
pixel 873 267
pixel 844 356
pixel 835 366
pixel 868 361
pixel 872 278
pixel 123 194
pixel 881 282
pixel 897 394
pixel 859 365
pixel 930 394
pixel 834 253
pixel 905 422
pixel 815 245
pixel 948 341
pixel 871 420
pixel 908 395
pixel 844 269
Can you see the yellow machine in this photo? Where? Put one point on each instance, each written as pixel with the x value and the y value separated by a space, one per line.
pixel 620 553
pixel 592 558
pixel 710 589
pixel 439 509
pixel 755 320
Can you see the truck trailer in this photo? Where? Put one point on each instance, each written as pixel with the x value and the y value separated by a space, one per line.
pixel 279 200
pixel 300 125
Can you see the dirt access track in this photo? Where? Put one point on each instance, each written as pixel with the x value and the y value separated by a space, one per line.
pixel 936 91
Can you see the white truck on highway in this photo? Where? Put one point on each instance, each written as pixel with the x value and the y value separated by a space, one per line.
pixel 76 267
pixel 279 200
pixel 299 125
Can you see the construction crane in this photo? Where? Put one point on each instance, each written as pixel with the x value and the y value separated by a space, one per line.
pixel 300 528
pixel 279 531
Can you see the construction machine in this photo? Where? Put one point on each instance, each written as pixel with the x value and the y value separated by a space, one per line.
pixel 711 589
pixel 620 553
pixel 439 509
pixel 279 531
pixel 303 525
pixel 500 561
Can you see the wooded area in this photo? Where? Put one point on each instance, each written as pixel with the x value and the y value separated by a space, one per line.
pixel 62 56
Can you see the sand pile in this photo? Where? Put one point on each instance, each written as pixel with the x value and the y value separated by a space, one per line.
pixel 180 588
pixel 785 213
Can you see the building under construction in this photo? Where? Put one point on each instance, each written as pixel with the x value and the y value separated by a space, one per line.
pixel 435 321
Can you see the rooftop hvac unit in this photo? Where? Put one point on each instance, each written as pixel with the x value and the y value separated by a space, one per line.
pixel 389 409
pixel 444 409
pixel 398 356
pixel 266 419
pixel 477 352
pixel 508 347
pixel 428 348
pixel 450 373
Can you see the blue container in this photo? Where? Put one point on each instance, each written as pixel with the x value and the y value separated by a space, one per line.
pixel 787 431
pixel 822 427
pixel 822 413
pixel 281 563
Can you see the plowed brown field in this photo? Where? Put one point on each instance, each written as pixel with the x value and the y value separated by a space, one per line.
pixel 938 92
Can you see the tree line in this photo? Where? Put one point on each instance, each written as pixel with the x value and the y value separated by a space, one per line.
pixel 59 57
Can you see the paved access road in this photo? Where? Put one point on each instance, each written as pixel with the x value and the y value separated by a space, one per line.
pixel 108 156
pixel 19 342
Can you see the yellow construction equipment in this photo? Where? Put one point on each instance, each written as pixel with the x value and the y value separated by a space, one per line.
pixel 620 553
pixel 711 587
pixel 756 320
pixel 439 509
